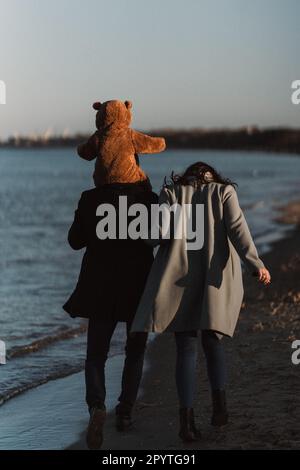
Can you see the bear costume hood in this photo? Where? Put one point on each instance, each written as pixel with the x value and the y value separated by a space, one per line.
pixel 113 114
pixel 116 146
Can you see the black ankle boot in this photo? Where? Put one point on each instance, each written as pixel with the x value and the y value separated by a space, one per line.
pixel 123 417
pixel 220 414
pixel 188 431
pixel 194 428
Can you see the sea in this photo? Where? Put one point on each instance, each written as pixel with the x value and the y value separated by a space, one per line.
pixel 39 192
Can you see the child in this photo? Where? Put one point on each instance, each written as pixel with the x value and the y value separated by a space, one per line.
pixel 115 145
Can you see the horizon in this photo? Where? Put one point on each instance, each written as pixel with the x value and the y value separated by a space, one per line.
pixel 204 65
pixel 47 134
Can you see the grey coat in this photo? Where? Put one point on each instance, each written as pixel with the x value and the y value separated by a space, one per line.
pixel 200 289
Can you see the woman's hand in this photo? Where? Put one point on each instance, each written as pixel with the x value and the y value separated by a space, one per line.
pixel 264 276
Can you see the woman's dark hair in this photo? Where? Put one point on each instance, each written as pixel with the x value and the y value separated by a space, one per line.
pixel 197 174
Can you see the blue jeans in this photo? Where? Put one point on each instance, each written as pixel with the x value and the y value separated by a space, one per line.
pixel 186 363
pixel 98 342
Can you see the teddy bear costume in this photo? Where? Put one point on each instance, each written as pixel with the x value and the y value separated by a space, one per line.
pixel 115 145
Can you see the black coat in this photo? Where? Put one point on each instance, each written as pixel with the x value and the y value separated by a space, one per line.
pixel 113 271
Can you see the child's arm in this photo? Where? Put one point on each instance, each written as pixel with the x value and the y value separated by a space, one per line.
pixel 88 150
pixel 145 144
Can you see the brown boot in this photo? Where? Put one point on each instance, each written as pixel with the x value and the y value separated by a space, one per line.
pixel 220 414
pixel 188 431
pixel 94 436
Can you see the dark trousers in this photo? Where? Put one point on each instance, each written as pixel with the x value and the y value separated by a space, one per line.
pixel 186 363
pixel 98 342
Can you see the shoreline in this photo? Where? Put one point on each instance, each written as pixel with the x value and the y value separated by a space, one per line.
pixel 52 416
pixel 264 389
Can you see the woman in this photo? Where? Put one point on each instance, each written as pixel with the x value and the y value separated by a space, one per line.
pixel 191 290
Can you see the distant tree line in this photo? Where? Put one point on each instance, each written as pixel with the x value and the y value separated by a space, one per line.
pixel 248 138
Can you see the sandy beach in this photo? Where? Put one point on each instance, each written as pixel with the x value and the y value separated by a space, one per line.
pixel 264 385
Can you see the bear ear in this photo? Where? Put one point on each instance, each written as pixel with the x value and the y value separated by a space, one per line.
pixel 97 105
pixel 128 104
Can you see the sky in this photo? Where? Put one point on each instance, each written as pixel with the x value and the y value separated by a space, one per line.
pixel 188 63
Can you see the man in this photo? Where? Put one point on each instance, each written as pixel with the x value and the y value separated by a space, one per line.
pixel 111 281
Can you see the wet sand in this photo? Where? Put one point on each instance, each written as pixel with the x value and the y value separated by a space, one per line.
pixel 264 386
pixel 53 415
